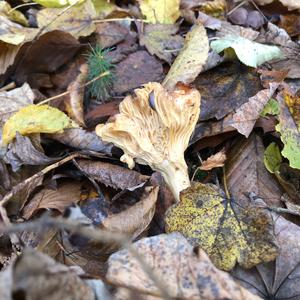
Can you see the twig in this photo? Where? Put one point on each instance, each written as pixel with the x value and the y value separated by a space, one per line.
pixel 119 19
pixel 90 233
pixel 106 73
pixel 21 5
pixel 225 183
pixel 282 210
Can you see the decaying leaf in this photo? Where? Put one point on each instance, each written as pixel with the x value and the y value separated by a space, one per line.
pixel 161 40
pixel 289 128
pixel 246 173
pixel 82 139
pixel 185 275
pixel 227 232
pixel 27 151
pixel 160 11
pixel 58 199
pixel 136 219
pixel 278 279
pixel 250 53
pixel 77 20
pixel 189 63
pixel 135 70
pixel 214 161
pixel 14 100
pixel 246 115
pixel 37 276
pixel 76 89
pixel 111 175
pixel 36 119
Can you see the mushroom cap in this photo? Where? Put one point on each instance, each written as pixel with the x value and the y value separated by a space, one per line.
pixel 154 126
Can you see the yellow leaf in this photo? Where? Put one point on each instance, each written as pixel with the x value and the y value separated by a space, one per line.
pixel 227 232
pixel 58 3
pixel 215 8
pixel 36 119
pixel 160 11
pixel 13 15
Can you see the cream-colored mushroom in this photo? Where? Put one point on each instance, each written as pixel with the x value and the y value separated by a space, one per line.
pixel 153 128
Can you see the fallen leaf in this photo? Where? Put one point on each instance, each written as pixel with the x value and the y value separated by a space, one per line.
pixel 58 3
pixel 250 53
pixel 272 158
pixel 77 20
pixel 36 119
pixel 14 15
pixel 188 64
pixel 104 8
pixel 227 29
pixel 161 40
pixel 135 70
pixel 8 53
pixel 271 108
pixel 234 84
pixel 278 279
pixel 29 276
pixel 76 95
pixel 288 127
pixel 290 23
pixel 208 21
pixel 136 219
pixel 246 115
pixel 291 4
pixel 110 34
pixel 81 139
pixel 59 199
pixel 112 175
pixel 246 173
pixel 184 273
pixel 228 232
pixel 13 100
pixel 214 161
pixel 215 8
pixel 44 55
pixel 26 151
pixel 160 11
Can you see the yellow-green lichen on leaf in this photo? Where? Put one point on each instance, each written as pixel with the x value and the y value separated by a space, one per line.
pixel 228 233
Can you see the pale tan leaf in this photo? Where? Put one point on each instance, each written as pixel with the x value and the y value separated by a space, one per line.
pixel 188 64
pixel 8 53
pixel 184 274
pixel 246 115
pixel 78 20
pixel 214 161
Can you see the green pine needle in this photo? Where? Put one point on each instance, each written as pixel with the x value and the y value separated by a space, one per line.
pixel 98 63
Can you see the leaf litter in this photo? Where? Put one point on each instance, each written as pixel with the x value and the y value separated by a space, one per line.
pixel 124 122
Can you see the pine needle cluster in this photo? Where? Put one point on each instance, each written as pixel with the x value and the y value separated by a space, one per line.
pixel 98 63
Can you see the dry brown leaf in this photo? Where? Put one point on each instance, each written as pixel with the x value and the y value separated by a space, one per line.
pixel 37 276
pixel 136 219
pixel 246 115
pixel 58 199
pixel 245 172
pixel 184 274
pixel 111 175
pixel 229 29
pixel 8 53
pixel 75 104
pixel 279 279
pixel 214 161
pixel 137 69
pixel 27 150
pixel 81 139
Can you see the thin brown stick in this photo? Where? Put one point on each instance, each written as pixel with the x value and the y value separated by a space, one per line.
pixel 106 73
pixel 119 19
pixel 90 233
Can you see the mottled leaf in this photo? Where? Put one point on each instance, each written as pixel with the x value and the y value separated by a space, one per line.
pixel 36 119
pixel 227 232
pixel 188 64
pixel 288 127
pixel 160 11
pixel 184 273
pixel 161 40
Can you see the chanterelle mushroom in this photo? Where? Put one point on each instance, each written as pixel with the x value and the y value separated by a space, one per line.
pixel 153 128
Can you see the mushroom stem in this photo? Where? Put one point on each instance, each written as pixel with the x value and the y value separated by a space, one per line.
pixel 176 176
